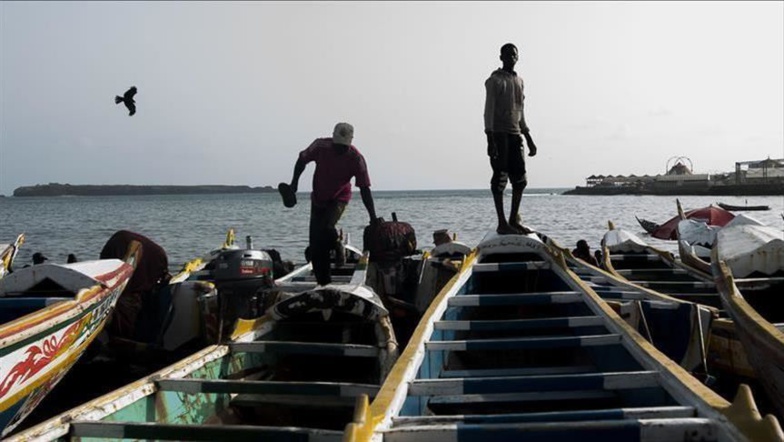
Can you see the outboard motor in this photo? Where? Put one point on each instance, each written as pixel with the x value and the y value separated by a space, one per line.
pixel 238 275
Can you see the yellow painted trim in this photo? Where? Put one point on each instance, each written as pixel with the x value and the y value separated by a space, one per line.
pixel 230 239
pixel 745 417
pixel 247 325
pixel 383 400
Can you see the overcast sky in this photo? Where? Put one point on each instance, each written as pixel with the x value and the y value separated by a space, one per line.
pixel 229 93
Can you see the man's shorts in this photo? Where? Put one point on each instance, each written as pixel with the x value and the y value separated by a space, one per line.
pixel 508 165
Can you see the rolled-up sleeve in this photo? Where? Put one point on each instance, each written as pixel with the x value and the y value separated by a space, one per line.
pixel 361 177
pixel 309 154
pixel 490 94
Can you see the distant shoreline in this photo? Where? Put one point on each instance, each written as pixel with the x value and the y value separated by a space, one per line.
pixel 54 189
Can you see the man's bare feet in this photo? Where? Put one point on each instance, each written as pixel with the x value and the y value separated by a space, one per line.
pixel 506 229
pixel 517 225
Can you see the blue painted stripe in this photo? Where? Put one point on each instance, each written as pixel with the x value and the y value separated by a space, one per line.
pixel 551 416
pixel 520 324
pixel 520 384
pixel 510 266
pixel 521 343
pixel 529 371
pixel 512 299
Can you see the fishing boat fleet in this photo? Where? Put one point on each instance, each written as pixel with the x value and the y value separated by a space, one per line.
pixel 513 338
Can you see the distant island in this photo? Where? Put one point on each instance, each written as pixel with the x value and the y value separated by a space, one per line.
pixel 56 189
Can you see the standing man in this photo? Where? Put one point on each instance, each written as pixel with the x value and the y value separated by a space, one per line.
pixel 505 128
pixel 337 161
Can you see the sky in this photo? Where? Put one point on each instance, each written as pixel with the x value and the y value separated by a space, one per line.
pixel 229 93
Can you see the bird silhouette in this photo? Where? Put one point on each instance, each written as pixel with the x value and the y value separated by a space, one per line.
pixel 127 98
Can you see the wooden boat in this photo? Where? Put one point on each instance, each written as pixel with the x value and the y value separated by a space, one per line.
pixel 696 238
pixel 713 215
pixel 648 226
pixel 730 207
pixel 50 314
pixel 629 258
pixel 761 329
pixel 518 347
pixel 678 328
pixel 8 253
pixel 292 374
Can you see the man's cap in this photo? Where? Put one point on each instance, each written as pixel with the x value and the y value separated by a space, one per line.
pixel 343 134
pixel 39 257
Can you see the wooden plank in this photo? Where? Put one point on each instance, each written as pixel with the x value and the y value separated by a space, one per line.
pixel 538 396
pixel 644 430
pixel 159 431
pixel 502 267
pixel 514 384
pixel 517 371
pixel 298 400
pixel 514 299
pixel 524 343
pixel 194 386
pixel 520 324
pixel 316 348
pixel 669 412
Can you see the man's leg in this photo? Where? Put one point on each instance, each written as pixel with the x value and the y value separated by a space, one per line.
pixel 319 250
pixel 334 214
pixel 498 182
pixel 519 181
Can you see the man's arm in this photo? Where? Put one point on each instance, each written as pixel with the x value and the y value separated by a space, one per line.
pixel 489 115
pixel 527 134
pixel 299 167
pixel 367 200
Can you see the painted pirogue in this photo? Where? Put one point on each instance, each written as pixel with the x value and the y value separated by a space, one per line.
pixel 292 374
pixel 49 315
pixel 518 348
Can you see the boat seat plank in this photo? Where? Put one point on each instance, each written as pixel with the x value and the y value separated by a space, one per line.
pixel 520 324
pixel 510 266
pixel 515 384
pixel 667 412
pixel 194 386
pixel 690 284
pixel 513 299
pixel 521 343
pixel 538 396
pixel 490 372
pixel 297 400
pixel 642 430
pixel 665 271
pixel 159 431
pixel 318 348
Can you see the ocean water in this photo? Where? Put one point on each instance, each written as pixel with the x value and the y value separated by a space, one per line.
pixel 187 226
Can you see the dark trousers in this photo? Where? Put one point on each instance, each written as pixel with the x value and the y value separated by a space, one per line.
pixel 324 237
pixel 509 164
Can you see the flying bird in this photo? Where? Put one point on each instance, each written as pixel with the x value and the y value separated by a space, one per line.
pixel 127 98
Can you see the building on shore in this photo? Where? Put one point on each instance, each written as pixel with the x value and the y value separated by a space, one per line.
pixel 760 177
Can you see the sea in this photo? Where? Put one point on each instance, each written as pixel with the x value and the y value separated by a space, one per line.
pixel 189 226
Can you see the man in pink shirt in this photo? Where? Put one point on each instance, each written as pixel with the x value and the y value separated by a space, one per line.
pixel 337 161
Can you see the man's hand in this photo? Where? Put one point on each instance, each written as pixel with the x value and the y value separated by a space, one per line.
pixel 530 142
pixel 492 150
